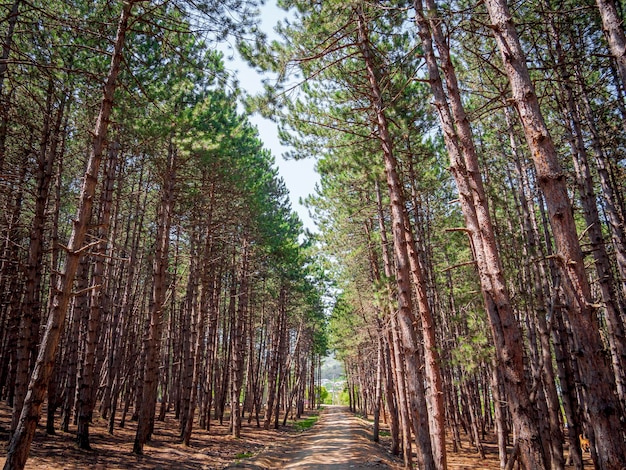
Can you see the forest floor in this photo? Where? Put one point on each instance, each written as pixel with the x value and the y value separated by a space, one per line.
pixel 208 450
pixel 339 440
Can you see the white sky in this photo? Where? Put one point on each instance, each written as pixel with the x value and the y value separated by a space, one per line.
pixel 299 176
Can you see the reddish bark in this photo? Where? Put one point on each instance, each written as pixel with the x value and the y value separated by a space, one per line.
pixel 20 443
pixel 602 405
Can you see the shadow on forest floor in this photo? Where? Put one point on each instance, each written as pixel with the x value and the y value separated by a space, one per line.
pixel 217 449
pixel 208 450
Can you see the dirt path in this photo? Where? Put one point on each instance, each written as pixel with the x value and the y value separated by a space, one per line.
pixel 338 441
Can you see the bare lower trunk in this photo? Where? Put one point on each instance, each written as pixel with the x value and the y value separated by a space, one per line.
pixel 465 169
pixel 273 361
pixel 198 347
pixel 31 305
pixel 431 355
pixel 396 356
pixel 378 391
pixel 148 397
pixel 498 404
pixel 603 407
pixel 238 325
pixel 85 403
pixel 20 443
pixel 6 47
pixel 397 400
pixel 391 400
pixel 538 281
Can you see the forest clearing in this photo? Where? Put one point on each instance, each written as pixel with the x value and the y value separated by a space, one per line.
pixel 161 300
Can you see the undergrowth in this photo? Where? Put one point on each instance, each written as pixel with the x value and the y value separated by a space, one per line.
pixel 306 423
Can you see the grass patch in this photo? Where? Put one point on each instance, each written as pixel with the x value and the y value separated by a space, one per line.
pixel 305 423
pixel 384 433
pixel 244 455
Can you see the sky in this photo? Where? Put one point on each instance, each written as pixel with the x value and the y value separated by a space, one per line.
pixel 299 176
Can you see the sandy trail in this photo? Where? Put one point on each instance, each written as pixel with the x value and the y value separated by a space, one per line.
pixel 338 441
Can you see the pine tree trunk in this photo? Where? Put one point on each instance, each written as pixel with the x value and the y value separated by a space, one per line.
pixel 616 337
pixel 123 311
pixel 197 361
pixel 603 407
pixel 79 307
pixel 189 310
pixel 384 360
pixel 466 172
pixel 272 362
pixel 431 354
pixel 568 392
pixel 378 392
pixel 31 305
pixel 396 358
pixel 148 397
pixel 613 29
pixel 10 282
pixel 537 275
pixel 85 404
pixel 499 405
pixel 611 202
pixel 406 318
pixel 391 399
pixel 238 324
pixel 20 443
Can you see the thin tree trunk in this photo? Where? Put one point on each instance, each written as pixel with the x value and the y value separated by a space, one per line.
pixel 616 337
pixel 197 358
pixel 396 358
pixel 188 312
pixel 611 202
pixel 157 300
pixel 464 166
pixel 31 305
pixel 603 406
pixel 378 393
pixel 73 338
pixel 394 425
pixel 431 354
pixel 538 276
pixel 405 315
pixel 20 443
pixel 499 404
pixel 87 382
pixel 273 361
pixel 238 327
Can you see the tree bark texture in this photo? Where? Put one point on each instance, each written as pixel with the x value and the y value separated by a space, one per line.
pixel 20 443
pixel 466 172
pixel 152 341
pixel 87 379
pixel 603 407
pixel 614 31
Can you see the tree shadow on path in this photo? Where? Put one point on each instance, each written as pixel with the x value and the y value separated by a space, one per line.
pixel 338 441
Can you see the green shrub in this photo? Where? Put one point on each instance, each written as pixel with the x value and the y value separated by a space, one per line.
pixel 324 396
pixel 305 423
